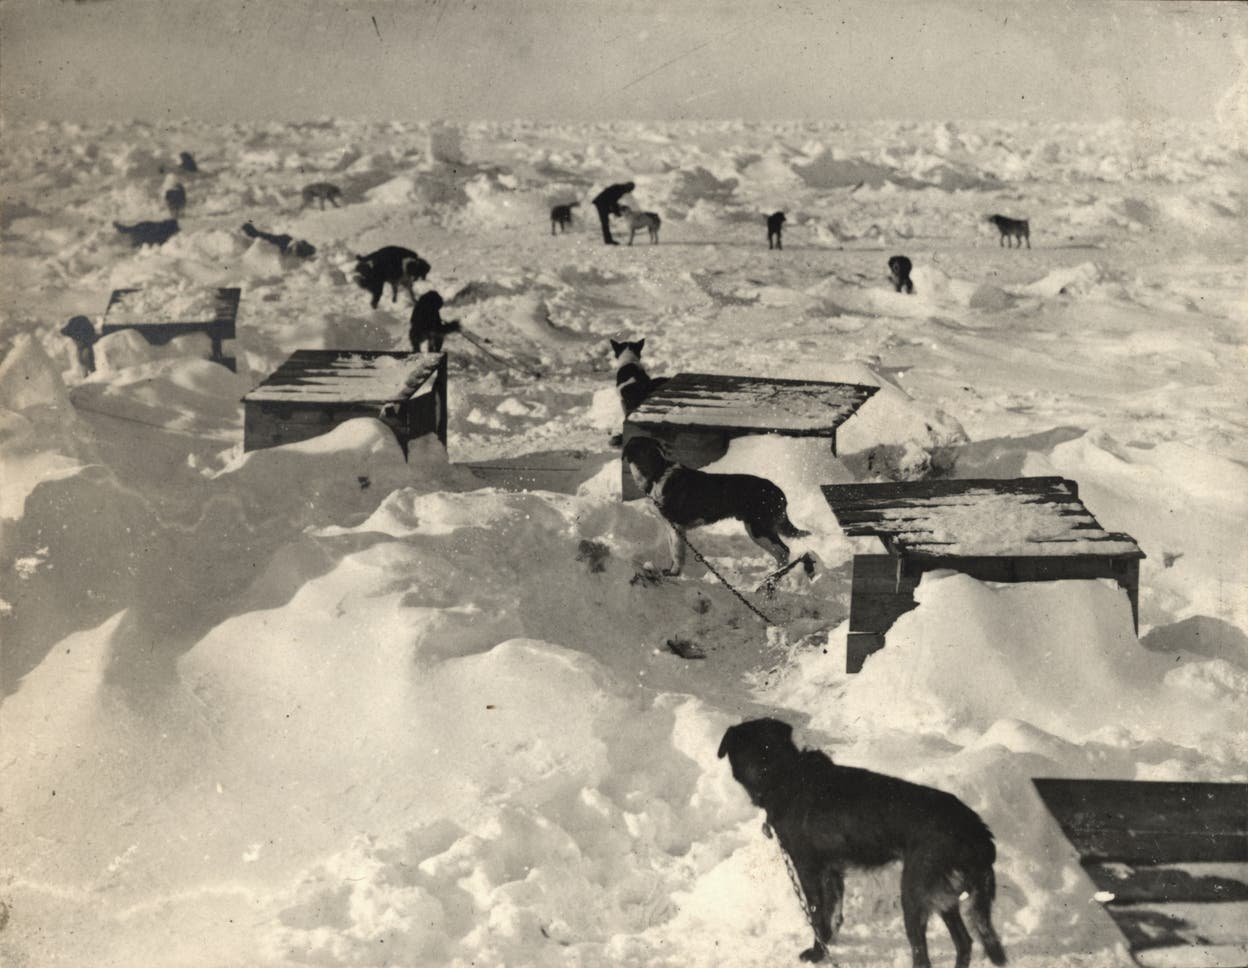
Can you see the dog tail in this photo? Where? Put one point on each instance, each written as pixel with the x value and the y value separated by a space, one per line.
pixel 788 529
pixel 980 917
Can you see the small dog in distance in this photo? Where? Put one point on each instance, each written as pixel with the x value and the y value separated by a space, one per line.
pixel 175 199
pixel 649 221
pixel 689 498
pixel 561 215
pixel 899 270
pixel 1013 229
pixel 321 192
pixel 775 224
pixel 829 818
pixel 391 265
pixel 149 233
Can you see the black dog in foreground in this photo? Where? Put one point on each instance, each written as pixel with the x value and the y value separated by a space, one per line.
pixel 775 225
pixel 390 264
pixel 829 818
pixel 899 269
pixel 689 498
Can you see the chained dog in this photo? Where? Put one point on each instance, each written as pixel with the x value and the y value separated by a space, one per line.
pixel 829 818
pixel 689 498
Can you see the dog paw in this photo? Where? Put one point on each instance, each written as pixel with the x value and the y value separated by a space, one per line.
pixel 813 954
pixel 616 440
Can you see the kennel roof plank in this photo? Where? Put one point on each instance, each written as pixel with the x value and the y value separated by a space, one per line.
pixel 747 404
pixel 1169 861
pixel 213 311
pixel 347 376
pixel 1021 517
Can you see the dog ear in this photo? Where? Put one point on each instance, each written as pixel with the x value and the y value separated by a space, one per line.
pixel 641 344
pixel 616 347
pixel 724 743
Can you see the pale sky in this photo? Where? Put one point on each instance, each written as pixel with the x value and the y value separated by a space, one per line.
pixel 1077 60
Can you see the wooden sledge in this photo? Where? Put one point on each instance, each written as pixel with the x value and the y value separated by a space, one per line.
pixel 1170 863
pixel 158 332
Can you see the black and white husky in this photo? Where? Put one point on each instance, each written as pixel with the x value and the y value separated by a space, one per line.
pixel 632 382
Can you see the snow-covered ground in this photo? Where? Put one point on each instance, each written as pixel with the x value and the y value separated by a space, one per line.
pixel 318 705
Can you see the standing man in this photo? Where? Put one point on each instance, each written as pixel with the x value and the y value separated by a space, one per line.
pixel 608 203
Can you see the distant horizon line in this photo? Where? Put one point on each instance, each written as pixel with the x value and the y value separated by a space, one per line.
pixel 321 119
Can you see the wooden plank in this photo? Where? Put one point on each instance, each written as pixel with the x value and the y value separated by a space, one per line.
pixel 744 405
pixel 858 647
pixel 909 516
pixel 1150 823
pixel 1186 929
pixel 1207 883
pixel 888 494
pixel 1170 860
pixel 351 376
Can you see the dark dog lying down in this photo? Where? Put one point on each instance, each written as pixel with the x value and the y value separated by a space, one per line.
pixel 286 244
pixel 829 818
pixel 689 498
pixel 149 233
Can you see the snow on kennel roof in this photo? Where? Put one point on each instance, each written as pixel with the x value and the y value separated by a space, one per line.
pixel 752 404
pixel 1030 516
pixel 346 376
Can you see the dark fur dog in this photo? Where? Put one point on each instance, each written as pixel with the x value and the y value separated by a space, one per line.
pixel 829 818
pixel 427 328
pixel 561 215
pixel 689 498
pixel 1014 229
pixel 149 233
pixel 322 192
pixel 391 264
pixel 775 224
pixel 899 269
pixel 187 163
pixel 175 199
pixel 286 244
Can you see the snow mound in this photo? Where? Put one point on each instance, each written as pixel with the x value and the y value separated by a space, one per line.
pixel 1060 655
pixel 28 378
pixel 1072 280
pixel 934 285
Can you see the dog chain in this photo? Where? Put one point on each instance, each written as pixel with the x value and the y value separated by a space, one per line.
pixel 711 568
pixel 488 352
pixel 807 908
